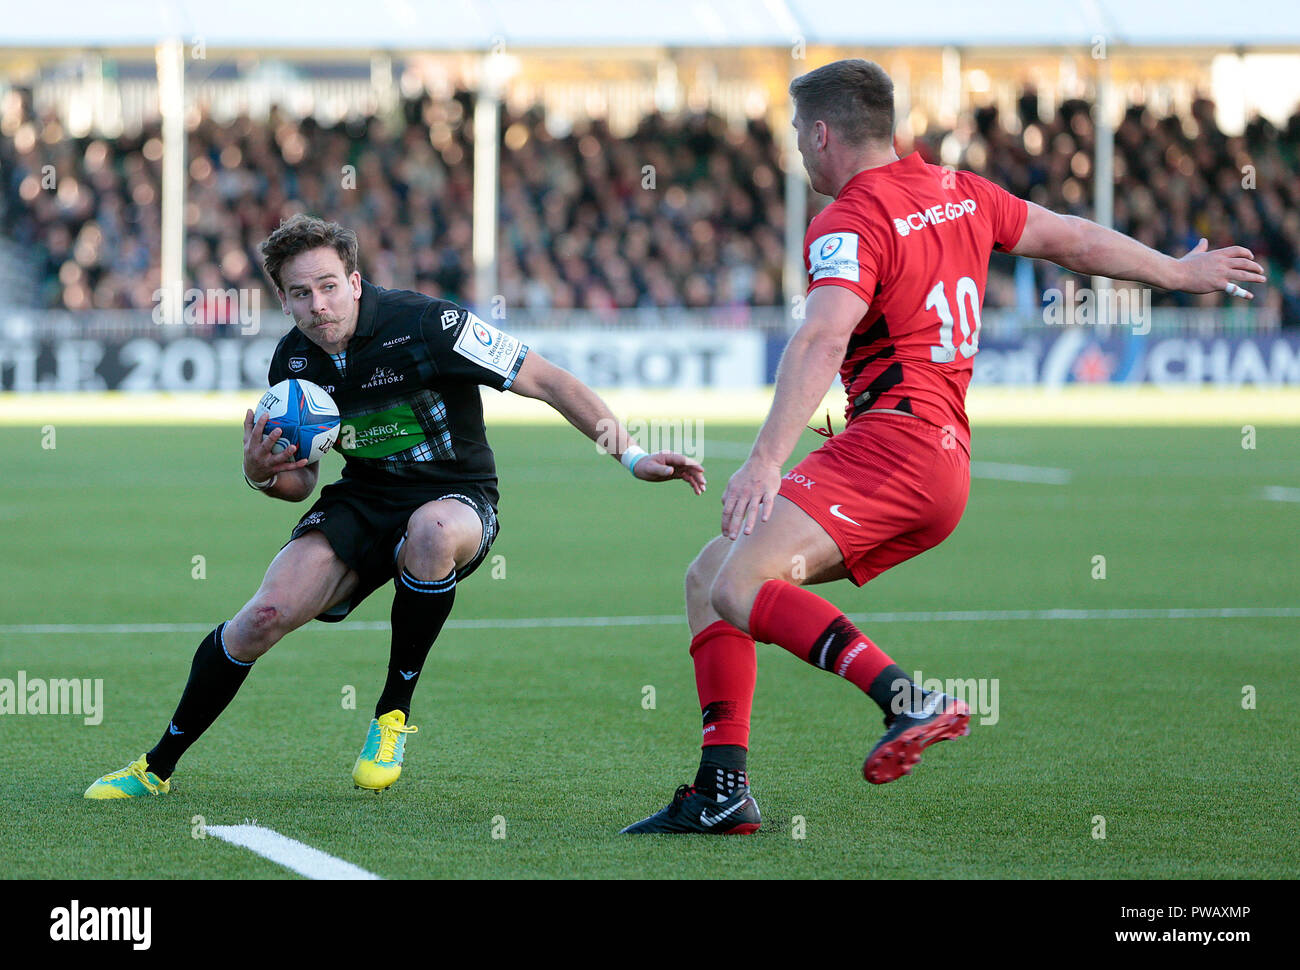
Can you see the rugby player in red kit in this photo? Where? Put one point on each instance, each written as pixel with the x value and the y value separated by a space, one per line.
pixel 896 270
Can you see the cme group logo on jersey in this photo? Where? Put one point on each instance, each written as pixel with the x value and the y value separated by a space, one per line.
pixel 834 256
pixel 934 215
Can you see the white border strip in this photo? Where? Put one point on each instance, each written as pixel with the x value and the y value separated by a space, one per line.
pixel 1019 473
pixel 568 622
pixel 287 852
pixel 1280 493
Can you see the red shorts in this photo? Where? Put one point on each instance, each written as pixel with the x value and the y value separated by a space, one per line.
pixel 885 489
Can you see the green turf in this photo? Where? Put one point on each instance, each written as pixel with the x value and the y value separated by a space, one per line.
pixel 1139 721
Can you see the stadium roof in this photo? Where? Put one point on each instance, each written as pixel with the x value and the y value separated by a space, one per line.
pixel 409 25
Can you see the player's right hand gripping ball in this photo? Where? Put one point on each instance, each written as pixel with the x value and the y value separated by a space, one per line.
pixel 305 414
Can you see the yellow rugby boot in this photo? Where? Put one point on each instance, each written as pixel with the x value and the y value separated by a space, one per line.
pixel 380 762
pixel 130 782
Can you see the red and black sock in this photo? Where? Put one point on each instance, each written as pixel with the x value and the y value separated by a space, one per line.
pixel 215 678
pixel 726 669
pixel 420 608
pixel 816 631
pixel 722 770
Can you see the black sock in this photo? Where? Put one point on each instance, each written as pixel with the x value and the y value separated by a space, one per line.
pixel 215 677
pixel 420 608
pixel 722 770
pixel 895 692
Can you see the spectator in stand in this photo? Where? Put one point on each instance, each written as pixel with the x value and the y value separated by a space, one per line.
pixel 685 212
pixel 1176 180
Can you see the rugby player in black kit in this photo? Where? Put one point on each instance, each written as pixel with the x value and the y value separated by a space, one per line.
pixel 416 503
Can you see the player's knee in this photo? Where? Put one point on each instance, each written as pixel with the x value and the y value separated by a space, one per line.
pixel 699 580
pixel 731 597
pixel 434 537
pixel 704 569
pixel 259 626
pixel 431 542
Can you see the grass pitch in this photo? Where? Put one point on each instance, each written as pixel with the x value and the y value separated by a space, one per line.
pixel 1173 737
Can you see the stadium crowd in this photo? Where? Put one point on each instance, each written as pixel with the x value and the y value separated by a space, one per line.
pixel 687 212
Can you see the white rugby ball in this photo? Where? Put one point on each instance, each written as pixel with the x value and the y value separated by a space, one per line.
pixel 305 414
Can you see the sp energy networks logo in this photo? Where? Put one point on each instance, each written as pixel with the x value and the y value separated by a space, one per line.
pixel 377 433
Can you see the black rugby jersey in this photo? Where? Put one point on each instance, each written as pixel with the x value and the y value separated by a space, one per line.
pixel 409 399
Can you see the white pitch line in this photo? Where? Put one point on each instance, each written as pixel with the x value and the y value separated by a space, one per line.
pixel 1280 493
pixel 287 852
pixel 1020 473
pixel 670 619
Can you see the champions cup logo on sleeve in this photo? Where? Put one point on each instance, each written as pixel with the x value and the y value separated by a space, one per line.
pixel 487 346
pixel 834 256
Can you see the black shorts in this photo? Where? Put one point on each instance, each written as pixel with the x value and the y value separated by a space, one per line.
pixel 365 525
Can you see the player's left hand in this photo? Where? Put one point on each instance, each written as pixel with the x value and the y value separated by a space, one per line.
pixel 1210 271
pixel 664 466
pixel 754 485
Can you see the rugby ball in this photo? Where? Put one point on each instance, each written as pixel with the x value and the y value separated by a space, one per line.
pixel 306 416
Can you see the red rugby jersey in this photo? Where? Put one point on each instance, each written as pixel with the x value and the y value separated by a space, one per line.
pixel 913 240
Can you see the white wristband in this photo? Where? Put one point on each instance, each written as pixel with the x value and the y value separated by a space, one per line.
pixel 630 457
pixel 260 486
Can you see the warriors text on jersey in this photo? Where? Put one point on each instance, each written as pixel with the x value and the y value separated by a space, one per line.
pixel 913 240
pixel 407 388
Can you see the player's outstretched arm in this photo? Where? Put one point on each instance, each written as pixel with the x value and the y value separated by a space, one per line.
pixel 292 480
pixel 582 407
pixel 1085 247
pixel 808 368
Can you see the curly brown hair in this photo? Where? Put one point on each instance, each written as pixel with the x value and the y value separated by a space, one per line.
pixel 301 233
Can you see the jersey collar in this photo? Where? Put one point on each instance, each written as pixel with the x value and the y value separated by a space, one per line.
pixel 908 163
pixel 369 310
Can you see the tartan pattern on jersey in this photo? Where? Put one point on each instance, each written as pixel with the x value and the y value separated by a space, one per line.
pixel 430 411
